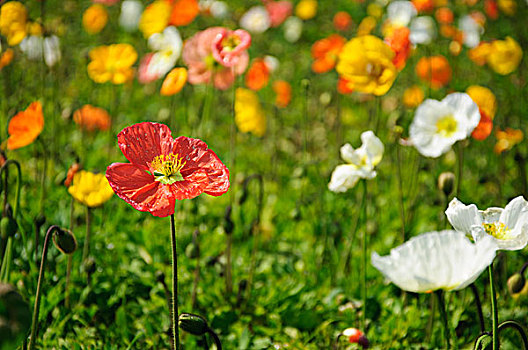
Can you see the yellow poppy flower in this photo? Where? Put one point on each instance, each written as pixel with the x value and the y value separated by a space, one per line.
pixel 13 18
pixel 413 96
pixel 484 98
pixel 306 9
pixel 90 189
pixel 249 116
pixel 366 64
pixel 155 18
pixel 95 18
pixel 112 63
pixel 504 56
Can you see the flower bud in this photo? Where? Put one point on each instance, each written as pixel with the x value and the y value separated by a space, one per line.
pixel 446 182
pixel 516 283
pixel 160 276
pixel 15 317
pixel 8 227
pixel 65 241
pixel 194 324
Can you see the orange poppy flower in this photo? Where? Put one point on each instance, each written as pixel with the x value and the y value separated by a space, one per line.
pixel 184 12
pixel 174 81
pixel 92 118
pixel 423 5
pixel 325 53
pixel 342 20
pixel 258 74
pixel 401 45
pixel 444 15
pixel 6 58
pixel 25 126
pixel 479 54
pixel 72 170
pixel 492 9
pixel 343 86
pixel 484 127
pixel 434 70
pixel 284 93
pixel 507 139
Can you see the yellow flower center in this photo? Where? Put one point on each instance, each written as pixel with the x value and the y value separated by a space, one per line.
pixel 166 168
pixel 446 126
pixel 497 230
pixel 230 42
pixel 374 70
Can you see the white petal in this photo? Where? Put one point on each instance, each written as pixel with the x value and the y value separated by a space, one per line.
pixel 423 30
pixel 400 13
pixel 491 214
pixel 462 217
pixel 466 112
pixel 349 155
pixel 517 240
pixel 343 177
pixel 515 214
pixel 436 260
pixel 373 146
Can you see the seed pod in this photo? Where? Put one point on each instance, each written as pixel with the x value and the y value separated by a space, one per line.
pixel 65 241
pixel 191 251
pixel 446 182
pixel 89 265
pixel 194 324
pixel 516 283
pixel 8 227
pixel 228 223
pixel 40 219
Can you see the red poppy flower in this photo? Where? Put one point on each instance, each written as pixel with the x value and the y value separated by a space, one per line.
pixel 163 170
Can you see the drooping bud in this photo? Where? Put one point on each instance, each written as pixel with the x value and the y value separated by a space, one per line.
pixel 160 276
pixel 446 182
pixel 40 219
pixel 516 283
pixel 65 241
pixel 191 251
pixel 8 227
pixel 15 317
pixel 194 324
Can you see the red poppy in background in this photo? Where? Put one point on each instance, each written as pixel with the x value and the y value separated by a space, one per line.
pixel 183 12
pixel 163 170
pixel 278 11
pixel 401 45
pixel 325 53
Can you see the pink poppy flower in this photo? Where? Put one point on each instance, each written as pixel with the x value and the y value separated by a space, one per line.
pixel 203 67
pixel 163 170
pixel 229 45
pixel 278 11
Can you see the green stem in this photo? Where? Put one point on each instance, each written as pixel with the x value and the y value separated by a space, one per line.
pixel 400 189
pixel 479 307
pixel 494 310
pixel 175 329
pixel 443 314
pixel 6 254
pixel 480 339
pixel 215 338
pixel 86 247
pixel 516 326
pixel 36 309
pixel 18 183
pixel 364 291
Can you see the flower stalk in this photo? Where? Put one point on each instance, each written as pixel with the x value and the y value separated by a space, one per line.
pixel 443 314
pixel 364 256
pixel 494 311
pixel 175 328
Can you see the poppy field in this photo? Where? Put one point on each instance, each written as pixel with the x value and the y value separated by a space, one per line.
pixel 264 174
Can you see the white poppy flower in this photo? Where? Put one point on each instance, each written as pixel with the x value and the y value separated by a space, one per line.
pixel 293 29
pixel 361 163
pixel 471 29
pixel 508 227
pixel 255 20
pixel 437 125
pixel 423 30
pixel 401 12
pixel 168 47
pixel 52 53
pixel 31 46
pixel 436 260
pixel 130 14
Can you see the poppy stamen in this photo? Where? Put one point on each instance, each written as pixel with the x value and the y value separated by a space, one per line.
pixel 167 168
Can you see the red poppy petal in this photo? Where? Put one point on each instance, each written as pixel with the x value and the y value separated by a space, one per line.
pixel 140 143
pixel 200 158
pixel 192 186
pixel 139 189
